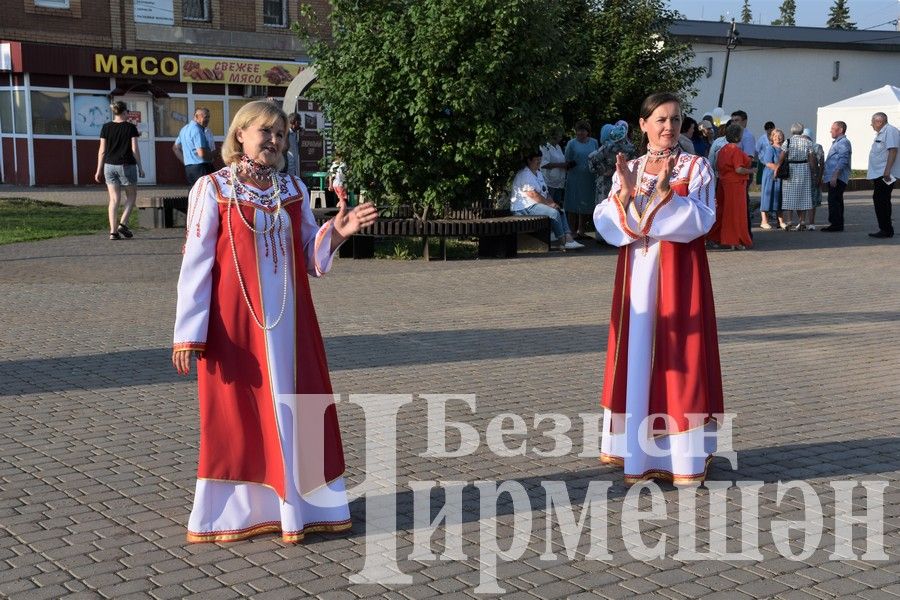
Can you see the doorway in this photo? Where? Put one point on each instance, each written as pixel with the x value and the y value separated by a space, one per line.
pixel 140 112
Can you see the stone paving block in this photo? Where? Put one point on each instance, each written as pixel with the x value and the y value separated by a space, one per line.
pixel 107 464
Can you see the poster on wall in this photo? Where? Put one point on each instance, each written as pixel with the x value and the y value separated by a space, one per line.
pixel 155 12
pixel 90 113
pixel 199 69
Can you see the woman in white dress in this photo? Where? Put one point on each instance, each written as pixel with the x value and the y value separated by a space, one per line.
pixel 662 388
pixel 271 458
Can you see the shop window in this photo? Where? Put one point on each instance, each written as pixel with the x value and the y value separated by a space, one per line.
pixel 216 110
pixel 170 115
pixel 274 13
pixel 90 113
pixel 50 113
pixel 196 10
pixel 52 3
pixel 235 105
pixel 6 115
pixel 19 109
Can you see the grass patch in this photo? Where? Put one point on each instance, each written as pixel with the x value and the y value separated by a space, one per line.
pixel 410 248
pixel 23 220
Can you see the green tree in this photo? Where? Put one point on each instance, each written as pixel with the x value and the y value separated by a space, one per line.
pixel 746 15
pixel 435 103
pixel 788 8
pixel 632 58
pixel 839 16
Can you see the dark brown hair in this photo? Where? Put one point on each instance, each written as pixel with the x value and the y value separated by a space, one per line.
pixel 650 104
pixel 118 107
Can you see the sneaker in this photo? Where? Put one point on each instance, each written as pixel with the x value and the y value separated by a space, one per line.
pixel 573 245
pixel 810 227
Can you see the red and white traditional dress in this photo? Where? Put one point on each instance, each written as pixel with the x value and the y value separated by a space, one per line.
pixel 662 355
pixel 269 461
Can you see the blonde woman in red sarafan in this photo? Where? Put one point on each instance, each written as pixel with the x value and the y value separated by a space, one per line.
pixel 662 388
pixel 271 458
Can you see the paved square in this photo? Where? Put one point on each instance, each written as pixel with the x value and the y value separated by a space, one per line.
pixel 98 436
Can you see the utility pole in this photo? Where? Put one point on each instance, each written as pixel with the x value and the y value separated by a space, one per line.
pixel 730 45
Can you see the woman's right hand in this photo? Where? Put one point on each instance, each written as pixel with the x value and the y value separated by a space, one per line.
pixel 181 360
pixel 627 177
pixel 98 177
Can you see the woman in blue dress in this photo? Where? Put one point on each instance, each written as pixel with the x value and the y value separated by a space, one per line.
pixel 770 197
pixel 580 196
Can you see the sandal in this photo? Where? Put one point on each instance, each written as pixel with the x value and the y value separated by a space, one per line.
pixel 115 236
pixel 127 233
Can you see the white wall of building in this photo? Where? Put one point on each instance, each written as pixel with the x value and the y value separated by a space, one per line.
pixel 785 85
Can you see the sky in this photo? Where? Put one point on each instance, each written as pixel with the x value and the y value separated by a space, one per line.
pixel 810 13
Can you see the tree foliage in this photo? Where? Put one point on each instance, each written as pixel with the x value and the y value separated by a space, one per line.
pixel 787 8
pixel 746 14
pixel 839 16
pixel 633 56
pixel 434 103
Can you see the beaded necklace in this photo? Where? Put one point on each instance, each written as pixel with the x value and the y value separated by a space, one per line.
pixel 664 153
pixel 255 170
pixel 276 220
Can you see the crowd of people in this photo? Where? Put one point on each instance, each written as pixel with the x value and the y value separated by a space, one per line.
pixel 792 172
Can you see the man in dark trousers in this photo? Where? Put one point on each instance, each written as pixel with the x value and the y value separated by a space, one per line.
pixel 884 170
pixel 837 174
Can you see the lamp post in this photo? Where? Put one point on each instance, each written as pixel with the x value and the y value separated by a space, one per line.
pixel 730 45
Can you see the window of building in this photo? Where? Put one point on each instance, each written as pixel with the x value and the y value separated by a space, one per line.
pixel 52 3
pixel 6 114
pixel 216 110
pixel 196 10
pixel 50 113
pixel 171 114
pixel 274 13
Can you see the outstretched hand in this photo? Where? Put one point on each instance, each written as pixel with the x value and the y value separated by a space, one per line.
pixel 349 222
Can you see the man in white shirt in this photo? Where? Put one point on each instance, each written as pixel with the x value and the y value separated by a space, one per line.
pixel 553 166
pixel 884 170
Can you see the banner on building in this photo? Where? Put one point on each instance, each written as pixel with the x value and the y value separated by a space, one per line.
pixel 155 12
pixel 203 69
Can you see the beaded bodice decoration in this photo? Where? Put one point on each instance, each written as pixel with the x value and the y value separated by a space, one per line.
pixel 273 233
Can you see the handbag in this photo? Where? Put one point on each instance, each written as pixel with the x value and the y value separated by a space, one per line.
pixel 784 170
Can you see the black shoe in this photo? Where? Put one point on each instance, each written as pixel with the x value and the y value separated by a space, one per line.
pixel 881 235
pixel 832 228
pixel 127 233
pixel 115 236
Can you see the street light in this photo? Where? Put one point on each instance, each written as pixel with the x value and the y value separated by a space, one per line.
pixel 730 45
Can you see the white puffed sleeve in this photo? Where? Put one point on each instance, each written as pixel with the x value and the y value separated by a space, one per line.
pixel 617 225
pixel 195 280
pixel 684 218
pixel 316 241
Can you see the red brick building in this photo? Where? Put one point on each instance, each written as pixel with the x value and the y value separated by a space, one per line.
pixel 62 61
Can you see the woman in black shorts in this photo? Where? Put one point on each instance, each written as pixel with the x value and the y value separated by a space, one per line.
pixel 119 163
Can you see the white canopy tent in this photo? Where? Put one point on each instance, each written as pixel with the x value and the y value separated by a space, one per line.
pixel 857 113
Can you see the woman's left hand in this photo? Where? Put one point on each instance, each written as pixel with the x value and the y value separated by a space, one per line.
pixel 349 222
pixel 664 174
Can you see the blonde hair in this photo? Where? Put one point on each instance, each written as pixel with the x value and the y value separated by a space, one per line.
pixel 260 110
pixel 775 132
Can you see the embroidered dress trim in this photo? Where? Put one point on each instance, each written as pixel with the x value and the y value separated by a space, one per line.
pixel 268 527
pixel 661 474
pixel 201 346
